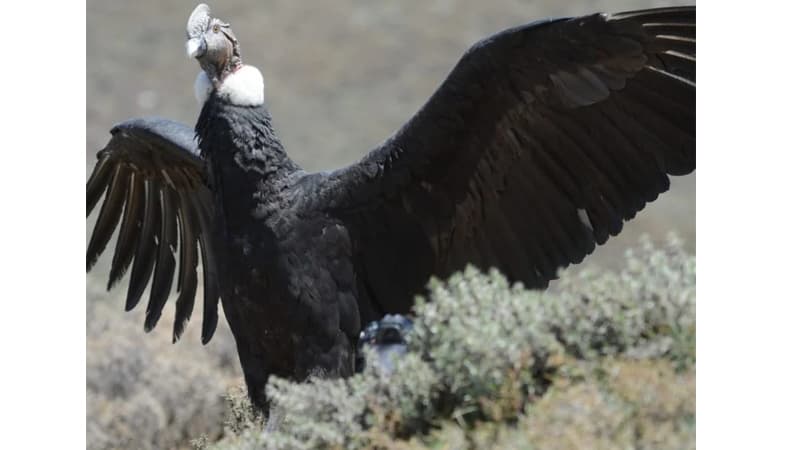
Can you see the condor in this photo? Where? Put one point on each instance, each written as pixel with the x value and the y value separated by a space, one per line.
pixel 539 145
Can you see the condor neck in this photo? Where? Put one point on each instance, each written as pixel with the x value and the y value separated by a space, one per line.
pixel 242 139
pixel 246 162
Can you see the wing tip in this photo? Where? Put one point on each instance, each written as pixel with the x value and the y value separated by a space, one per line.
pixel 206 338
pixel 178 330
pixel 681 9
pixel 209 326
pixel 151 319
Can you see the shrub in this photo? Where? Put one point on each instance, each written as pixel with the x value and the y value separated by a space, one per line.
pixel 601 360
pixel 144 392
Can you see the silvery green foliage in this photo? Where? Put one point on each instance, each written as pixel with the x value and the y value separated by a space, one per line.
pixel 483 350
pixel 343 411
pixel 336 405
pixel 614 403
pixel 475 331
pixel 645 311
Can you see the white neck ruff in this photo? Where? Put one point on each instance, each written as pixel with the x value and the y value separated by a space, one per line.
pixel 245 87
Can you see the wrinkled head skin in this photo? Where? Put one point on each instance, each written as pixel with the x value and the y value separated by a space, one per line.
pixel 212 42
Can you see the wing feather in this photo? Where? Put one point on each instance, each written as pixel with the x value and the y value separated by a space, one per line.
pixel 109 216
pixel 165 261
pixel 128 234
pixel 145 258
pixel 539 145
pixel 210 270
pixel 153 176
pixel 98 182
pixel 187 278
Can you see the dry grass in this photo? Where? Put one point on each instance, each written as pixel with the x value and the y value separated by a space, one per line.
pixel 145 395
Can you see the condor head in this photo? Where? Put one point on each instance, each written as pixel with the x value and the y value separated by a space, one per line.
pixel 212 43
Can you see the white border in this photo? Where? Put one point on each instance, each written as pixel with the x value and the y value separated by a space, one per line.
pixel 748 184
pixel 748 226
pixel 42 184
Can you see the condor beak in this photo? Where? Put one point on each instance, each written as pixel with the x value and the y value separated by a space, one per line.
pixel 196 26
pixel 196 47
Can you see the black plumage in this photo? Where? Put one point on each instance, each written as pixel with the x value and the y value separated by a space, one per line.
pixel 537 147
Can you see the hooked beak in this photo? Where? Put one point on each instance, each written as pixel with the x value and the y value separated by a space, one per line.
pixel 196 47
pixel 196 26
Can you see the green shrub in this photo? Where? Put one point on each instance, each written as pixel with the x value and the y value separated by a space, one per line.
pixel 601 360
pixel 645 311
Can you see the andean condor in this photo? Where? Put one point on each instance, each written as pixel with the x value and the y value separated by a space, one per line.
pixel 540 143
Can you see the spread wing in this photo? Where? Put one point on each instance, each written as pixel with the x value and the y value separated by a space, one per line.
pixel 540 143
pixel 152 176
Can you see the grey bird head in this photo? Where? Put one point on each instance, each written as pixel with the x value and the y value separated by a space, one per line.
pixel 212 42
